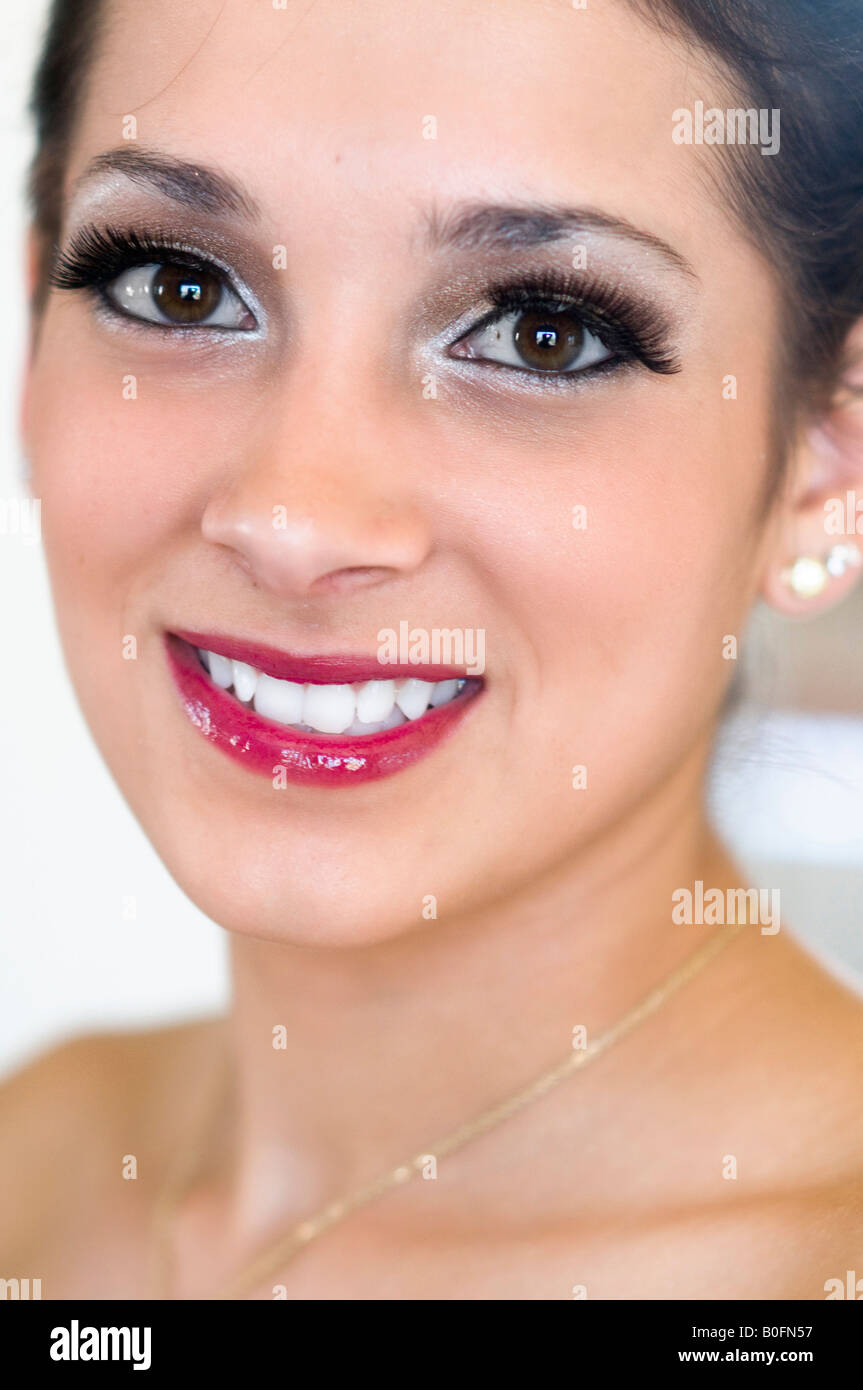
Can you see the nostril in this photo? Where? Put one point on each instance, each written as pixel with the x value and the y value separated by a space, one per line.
pixel 351 577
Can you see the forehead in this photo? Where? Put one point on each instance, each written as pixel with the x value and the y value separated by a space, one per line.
pixel 359 111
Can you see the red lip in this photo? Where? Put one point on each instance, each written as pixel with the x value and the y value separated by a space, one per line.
pixel 288 666
pixel 310 759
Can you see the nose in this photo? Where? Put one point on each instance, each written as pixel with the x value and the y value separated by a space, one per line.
pixel 321 507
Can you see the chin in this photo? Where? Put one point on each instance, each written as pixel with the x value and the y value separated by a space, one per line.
pixel 285 909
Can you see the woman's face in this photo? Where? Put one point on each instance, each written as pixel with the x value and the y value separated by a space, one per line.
pixel 351 441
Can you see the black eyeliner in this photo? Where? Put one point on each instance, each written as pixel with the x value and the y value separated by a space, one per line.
pixel 95 256
pixel 628 327
pixel 631 329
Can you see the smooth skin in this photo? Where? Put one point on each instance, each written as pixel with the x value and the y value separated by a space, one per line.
pixel 604 649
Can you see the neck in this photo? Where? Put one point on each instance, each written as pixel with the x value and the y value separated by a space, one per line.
pixel 385 1048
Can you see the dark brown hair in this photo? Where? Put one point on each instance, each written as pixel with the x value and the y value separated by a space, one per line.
pixel 803 206
pixel 70 42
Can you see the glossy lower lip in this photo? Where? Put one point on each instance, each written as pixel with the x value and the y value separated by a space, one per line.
pixel 309 759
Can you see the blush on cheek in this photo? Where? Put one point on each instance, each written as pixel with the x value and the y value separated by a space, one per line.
pixel 121 467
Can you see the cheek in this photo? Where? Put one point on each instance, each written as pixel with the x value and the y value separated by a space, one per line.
pixel 124 459
pixel 122 462
pixel 630 527
pixel 103 464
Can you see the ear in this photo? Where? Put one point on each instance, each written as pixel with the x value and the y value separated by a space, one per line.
pixel 816 553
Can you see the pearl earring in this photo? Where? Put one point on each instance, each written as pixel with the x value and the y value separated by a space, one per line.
pixel 808 576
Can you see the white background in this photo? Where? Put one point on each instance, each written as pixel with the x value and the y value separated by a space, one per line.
pixel 94 933
pixel 74 863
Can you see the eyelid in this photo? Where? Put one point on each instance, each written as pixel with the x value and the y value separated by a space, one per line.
pixel 591 345
pixel 200 261
pixel 634 329
pixel 123 249
pixel 115 300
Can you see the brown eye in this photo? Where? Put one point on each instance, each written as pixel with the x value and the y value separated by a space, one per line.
pixel 548 340
pixel 180 296
pixel 184 295
pixel 551 341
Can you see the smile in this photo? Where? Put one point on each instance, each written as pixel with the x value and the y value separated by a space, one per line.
pixel 320 720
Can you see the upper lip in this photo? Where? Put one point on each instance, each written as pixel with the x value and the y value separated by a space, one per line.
pixel 321 668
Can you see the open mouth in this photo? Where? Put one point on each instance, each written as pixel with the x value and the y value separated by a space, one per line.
pixel 361 708
pixel 315 719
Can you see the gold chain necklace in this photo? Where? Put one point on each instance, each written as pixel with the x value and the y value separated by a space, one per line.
pixel 281 1251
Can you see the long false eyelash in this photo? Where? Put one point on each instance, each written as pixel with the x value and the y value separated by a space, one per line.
pixel 624 325
pixel 96 256
pixel 629 328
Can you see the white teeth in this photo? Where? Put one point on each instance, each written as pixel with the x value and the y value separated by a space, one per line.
pixel 442 692
pixel 412 697
pixel 392 721
pixel 368 707
pixel 282 700
pixel 329 708
pixel 245 680
pixel 375 701
pixel 221 670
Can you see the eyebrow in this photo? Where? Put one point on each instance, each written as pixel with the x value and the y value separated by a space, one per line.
pixel 468 226
pixel 192 185
pixel 474 226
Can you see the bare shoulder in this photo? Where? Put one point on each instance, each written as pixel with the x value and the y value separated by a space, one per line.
pixel 792 1082
pixel 71 1116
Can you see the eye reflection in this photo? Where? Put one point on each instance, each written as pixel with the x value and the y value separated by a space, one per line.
pixel 548 340
pixel 177 294
pixel 542 339
pixel 183 297
pixel 555 323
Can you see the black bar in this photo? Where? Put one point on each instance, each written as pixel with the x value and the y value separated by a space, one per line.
pixel 293 1339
